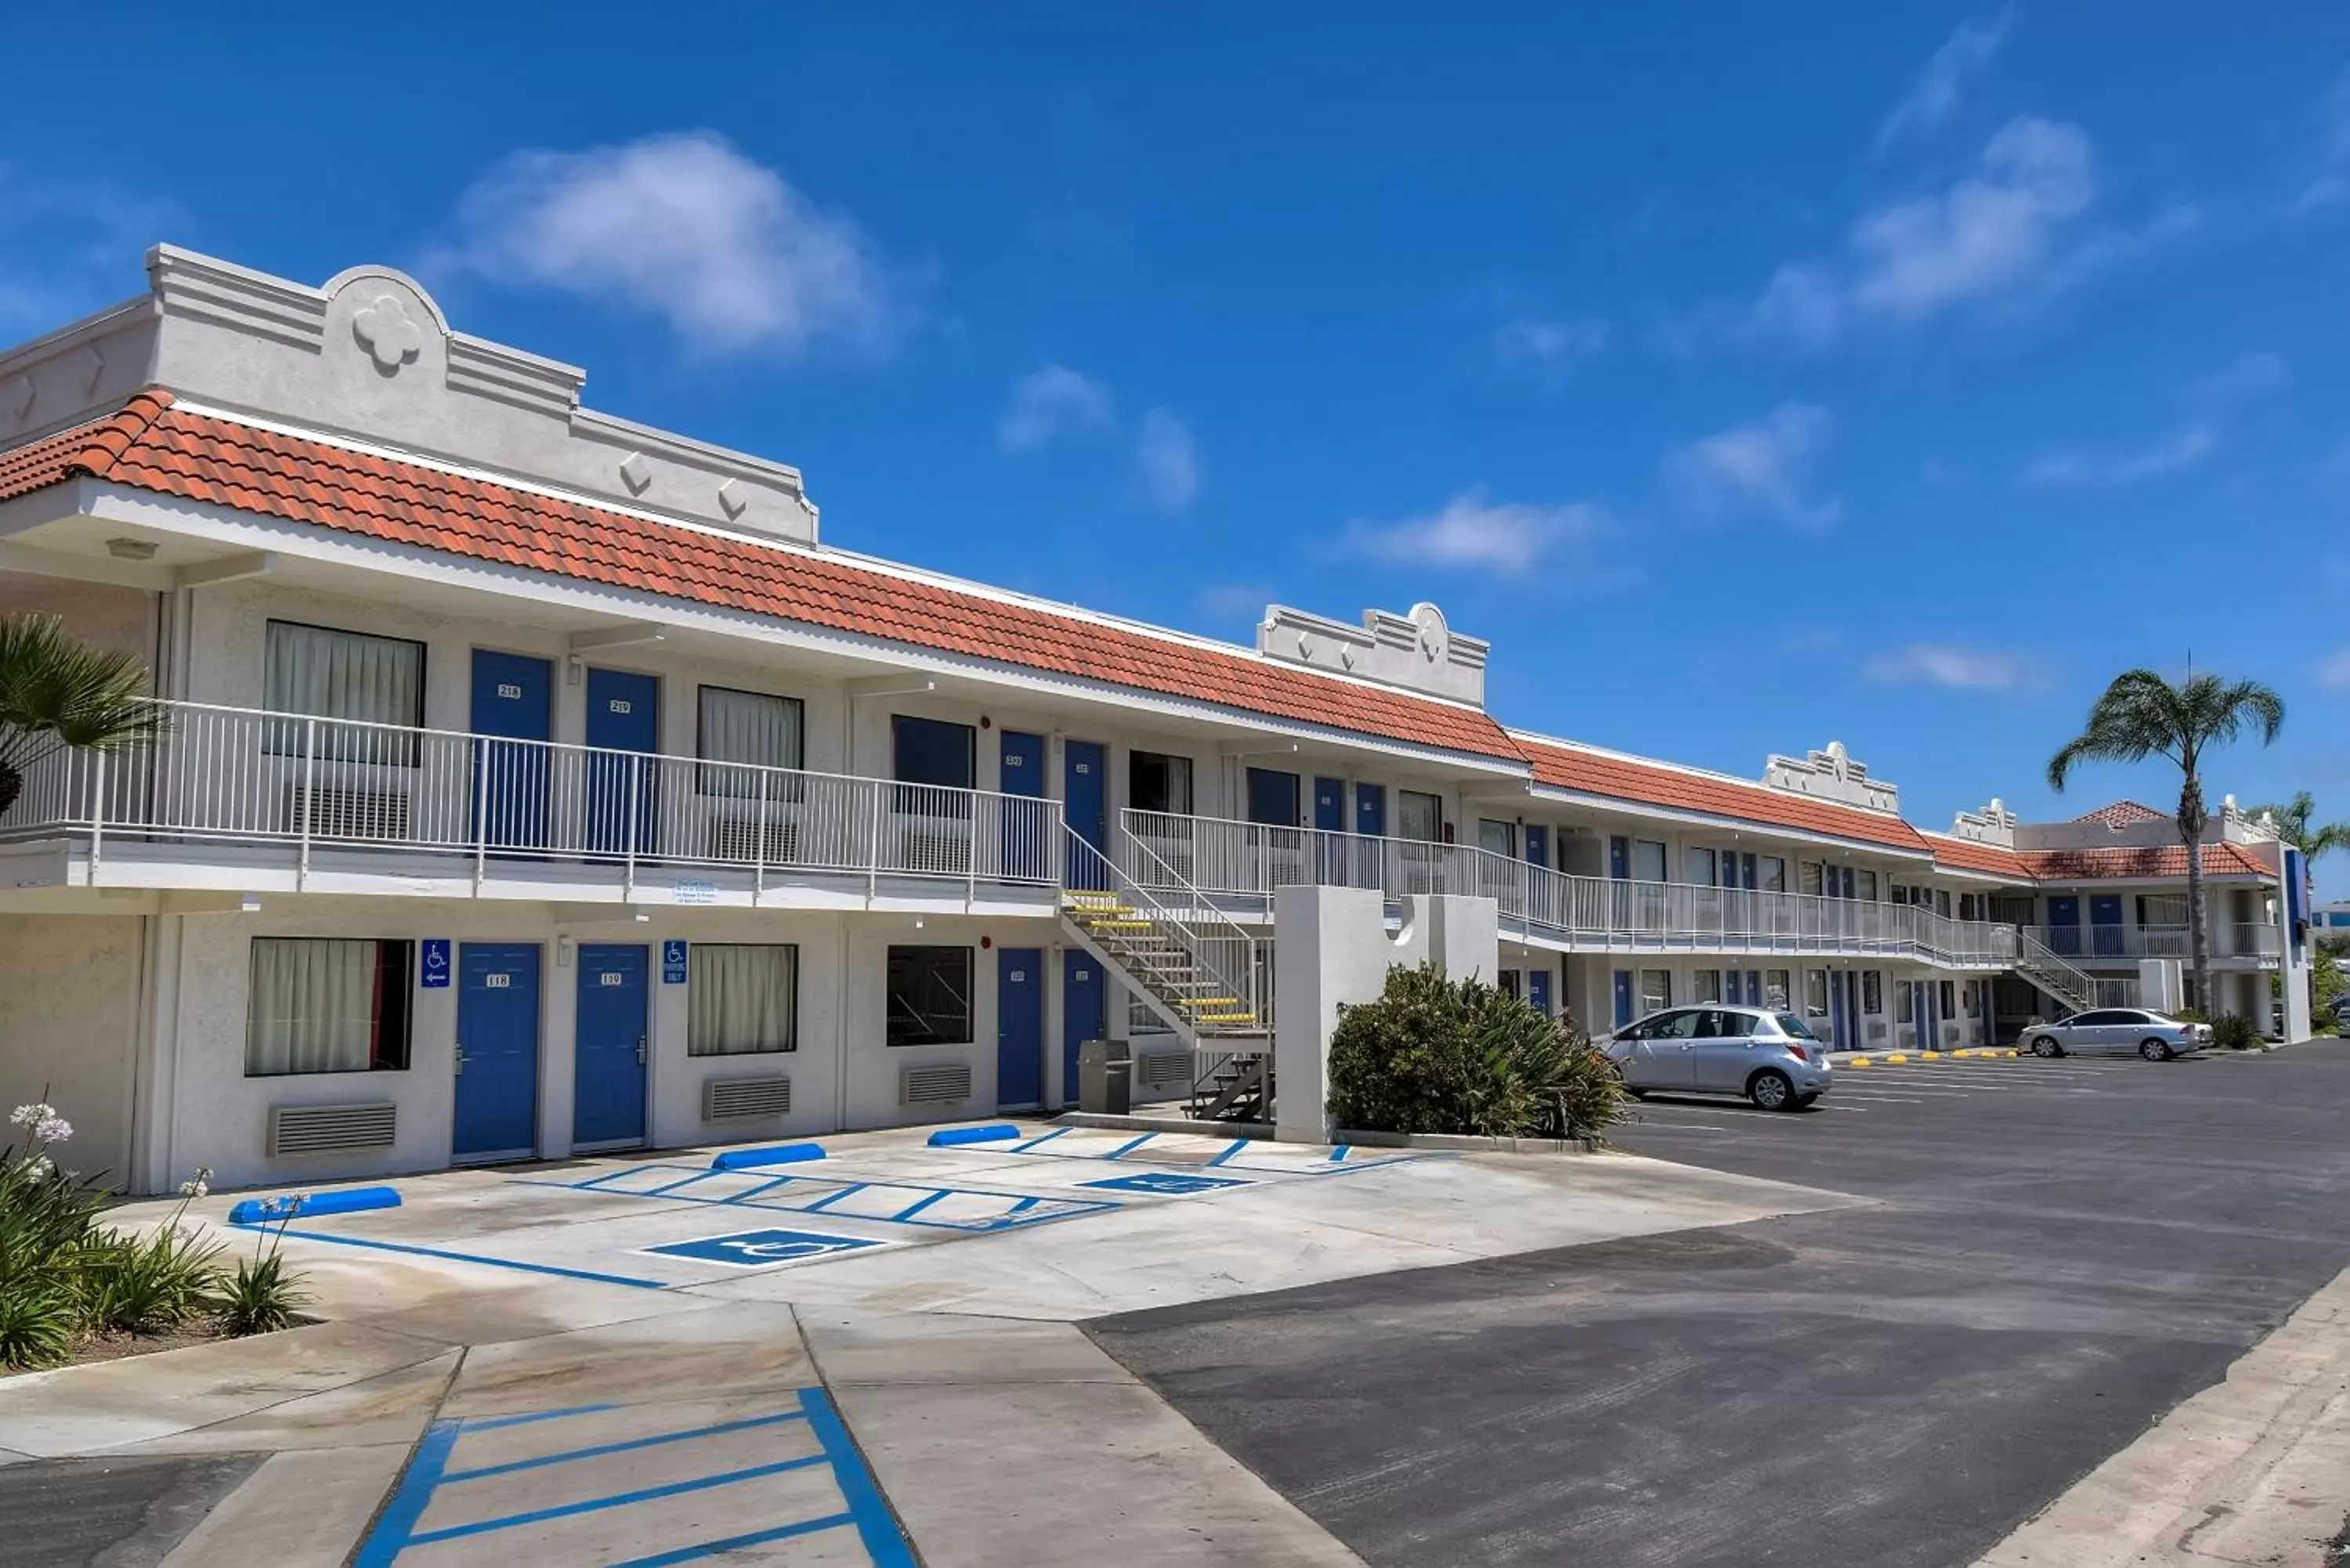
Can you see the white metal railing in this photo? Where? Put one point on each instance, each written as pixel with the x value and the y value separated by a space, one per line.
pixel 2053 973
pixel 216 774
pixel 1236 961
pixel 2238 938
pixel 1243 860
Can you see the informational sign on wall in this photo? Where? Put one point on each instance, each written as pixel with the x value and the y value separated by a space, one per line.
pixel 672 962
pixel 436 963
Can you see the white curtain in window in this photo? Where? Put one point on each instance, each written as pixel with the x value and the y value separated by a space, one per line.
pixel 312 1008
pixel 740 998
pixel 750 727
pixel 344 675
pixel 1419 817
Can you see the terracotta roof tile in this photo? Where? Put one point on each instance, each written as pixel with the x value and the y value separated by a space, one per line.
pixel 152 445
pixel 1967 855
pixel 1588 772
pixel 2123 814
pixel 2221 860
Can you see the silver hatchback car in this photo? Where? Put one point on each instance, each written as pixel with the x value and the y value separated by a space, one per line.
pixel 2116 1032
pixel 1769 1057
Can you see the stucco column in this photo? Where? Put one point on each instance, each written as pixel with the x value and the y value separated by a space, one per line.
pixel 1330 946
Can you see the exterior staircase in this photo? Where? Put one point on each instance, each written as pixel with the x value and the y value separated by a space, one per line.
pixel 1195 967
pixel 2049 970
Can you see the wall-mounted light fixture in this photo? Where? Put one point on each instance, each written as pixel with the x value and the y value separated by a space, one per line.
pixel 563 952
pixel 131 549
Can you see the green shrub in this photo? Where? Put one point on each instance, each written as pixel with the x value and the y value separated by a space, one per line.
pixel 2233 1032
pixel 1437 1056
pixel 147 1284
pixel 262 1296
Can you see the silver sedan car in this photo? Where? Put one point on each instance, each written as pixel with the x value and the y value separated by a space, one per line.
pixel 2116 1032
pixel 1768 1057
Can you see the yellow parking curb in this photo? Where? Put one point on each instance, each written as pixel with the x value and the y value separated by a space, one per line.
pixel 1930 1056
pixel 1898 1056
pixel 1857 1061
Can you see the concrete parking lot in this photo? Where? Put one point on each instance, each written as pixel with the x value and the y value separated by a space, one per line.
pixel 2061 1252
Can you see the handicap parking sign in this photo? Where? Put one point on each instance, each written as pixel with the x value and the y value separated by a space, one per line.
pixel 672 962
pixel 436 963
pixel 762 1249
pixel 1167 1182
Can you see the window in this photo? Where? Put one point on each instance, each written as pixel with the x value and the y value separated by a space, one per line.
pixel 1514 984
pixel 1698 867
pixel 1950 998
pixel 741 999
pixel 1971 996
pixel 1872 991
pixel 1674 1026
pixel 929 996
pixel 1794 1027
pixel 1808 877
pixel 1498 837
pixel 1647 861
pixel 1905 1003
pixel 322 1005
pixel 1656 990
pixel 1942 903
pixel 746 727
pixel 2162 909
pixel 1273 797
pixel 1774 876
pixel 1868 885
pixel 932 752
pixel 1705 985
pixel 1157 782
pixel 1774 989
pixel 1736 1025
pixel 343 675
pixel 1418 815
pixel 1815 993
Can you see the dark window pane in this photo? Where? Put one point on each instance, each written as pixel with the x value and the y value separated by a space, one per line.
pixel 932 752
pixel 1273 797
pixel 929 996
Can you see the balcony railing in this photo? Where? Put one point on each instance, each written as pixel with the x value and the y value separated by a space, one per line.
pixel 1241 860
pixel 234 775
pixel 2092 942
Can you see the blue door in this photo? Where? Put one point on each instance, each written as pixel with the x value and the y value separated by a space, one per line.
pixel 2105 925
pixel 1537 844
pixel 623 715
pixel 1538 989
pixel 1623 997
pixel 2064 925
pixel 608 1103
pixel 1371 810
pixel 1028 850
pixel 1084 997
pixel 497 1051
pixel 512 701
pixel 1020 1028
pixel 1733 988
pixel 1839 1013
pixel 1085 802
pixel 1330 804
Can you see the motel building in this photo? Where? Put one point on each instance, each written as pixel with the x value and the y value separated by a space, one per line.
pixel 530 782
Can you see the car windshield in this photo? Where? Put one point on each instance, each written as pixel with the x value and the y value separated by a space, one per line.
pixel 1790 1025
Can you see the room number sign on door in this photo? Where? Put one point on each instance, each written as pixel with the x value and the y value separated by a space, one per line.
pixel 498 981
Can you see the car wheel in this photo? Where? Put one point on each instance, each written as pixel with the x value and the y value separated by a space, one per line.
pixel 1771 1090
pixel 1806 1102
pixel 2045 1046
pixel 2154 1050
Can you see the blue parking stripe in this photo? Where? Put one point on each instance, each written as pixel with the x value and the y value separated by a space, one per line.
pixel 599 1449
pixel 1032 1143
pixel 830 1198
pixel 617 1500
pixel 768 1186
pixel 1122 1151
pixel 712 1548
pixel 1025 1203
pixel 674 1186
pixel 1238 1144
pixel 494 1423
pixel 391 1534
pixel 877 1527
pixel 1339 1153
pixel 464 1257
pixel 916 1207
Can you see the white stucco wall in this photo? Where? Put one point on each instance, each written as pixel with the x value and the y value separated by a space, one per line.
pixel 69 1023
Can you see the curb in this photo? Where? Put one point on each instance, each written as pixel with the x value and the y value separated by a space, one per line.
pixel 1902 1058
pixel 1163 1124
pixel 1463 1141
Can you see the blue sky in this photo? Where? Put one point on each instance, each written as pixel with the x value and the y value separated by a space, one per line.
pixel 1898 377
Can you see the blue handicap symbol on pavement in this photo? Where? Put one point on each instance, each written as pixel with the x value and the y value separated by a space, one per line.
pixel 759 1249
pixel 1165 1181
pixel 436 963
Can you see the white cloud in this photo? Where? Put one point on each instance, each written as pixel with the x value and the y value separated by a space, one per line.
pixel 2245 376
pixel 2010 230
pixel 1052 402
pixel 1928 105
pixel 2330 186
pixel 1952 666
pixel 1169 460
pixel 1472 532
pixel 2334 673
pixel 684 227
pixel 2176 453
pixel 1764 469
pixel 1550 347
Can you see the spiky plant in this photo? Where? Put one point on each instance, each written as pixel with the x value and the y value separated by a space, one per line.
pixel 57 692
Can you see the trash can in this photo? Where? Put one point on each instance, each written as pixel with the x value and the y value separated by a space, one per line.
pixel 1105 1077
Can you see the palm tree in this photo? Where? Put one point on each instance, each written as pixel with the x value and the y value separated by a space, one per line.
pixel 57 692
pixel 2142 715
pixel 2295 828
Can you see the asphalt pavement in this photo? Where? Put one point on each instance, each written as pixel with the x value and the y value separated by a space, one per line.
pixel 2059 1254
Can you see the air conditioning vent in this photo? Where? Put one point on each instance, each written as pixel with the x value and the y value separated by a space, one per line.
pixel 327 1129
pixel 345 810
pixel 1164 1069
pixel 935 1086
pixel 747 839
pixel 1876 1029
pixel 731 1099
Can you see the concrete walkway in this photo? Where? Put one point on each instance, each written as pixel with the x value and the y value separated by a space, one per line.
pixel 928 1392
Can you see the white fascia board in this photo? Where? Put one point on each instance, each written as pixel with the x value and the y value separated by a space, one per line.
pixel 312 542
pixel 1623 807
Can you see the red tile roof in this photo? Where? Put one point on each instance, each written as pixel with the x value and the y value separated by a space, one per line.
pixel 153 445
pixel 1967 855
pixel 1586 771
pixel 2123 814
pixel 2221 860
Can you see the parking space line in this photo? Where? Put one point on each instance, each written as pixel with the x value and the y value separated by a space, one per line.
pixel 1032 1143
pixel 734 1543
pixel 830 1198
pixel 1122 1151
pixel 599 1449
pixel 617 1500
pixel 418 1252
pixel 920 1204
pixel 1019 1208
pixel 1238 1144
